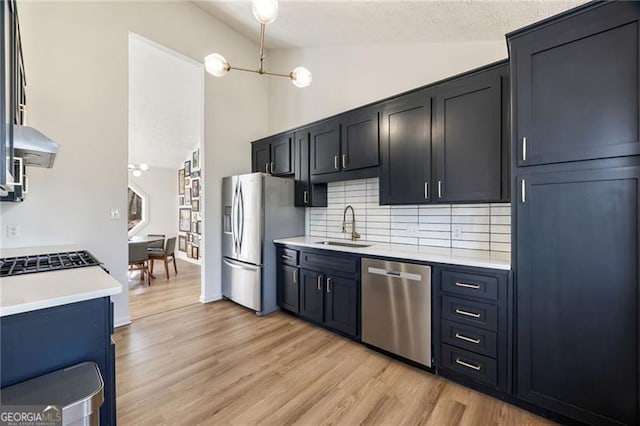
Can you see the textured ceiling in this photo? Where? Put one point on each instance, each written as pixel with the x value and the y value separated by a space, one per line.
pixel 332 23
pixel 165 105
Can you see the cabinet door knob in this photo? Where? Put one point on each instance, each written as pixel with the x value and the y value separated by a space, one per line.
pixel 328 285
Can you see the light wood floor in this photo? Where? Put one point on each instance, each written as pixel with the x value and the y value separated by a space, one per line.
pixel 218 363
pixel 164 294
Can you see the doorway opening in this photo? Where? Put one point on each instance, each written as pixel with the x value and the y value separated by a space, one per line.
pixel 166 178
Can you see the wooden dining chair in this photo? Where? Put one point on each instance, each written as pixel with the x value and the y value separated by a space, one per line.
pixel 139 260
pixel 166 255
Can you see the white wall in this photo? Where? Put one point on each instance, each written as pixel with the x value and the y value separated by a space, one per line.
pixel 161 189
pixel 76 65
pixel 351 76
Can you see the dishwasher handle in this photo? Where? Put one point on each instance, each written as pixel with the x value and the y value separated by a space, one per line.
pixel 394 274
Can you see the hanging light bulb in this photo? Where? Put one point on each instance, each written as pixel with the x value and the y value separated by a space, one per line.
pixel 137 173
pixel 265 11
pixel 300 77
pixel 144 167
pixel 216 64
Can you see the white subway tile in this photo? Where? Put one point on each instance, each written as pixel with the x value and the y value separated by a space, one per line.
pixel 404 240
pixel 500 229
pixel 469 211
pixel 434 242
pixel 378 225
pixel 501 220
pixel 500 211
pixel 435 211
pixel 404 211
pixel 436 219
pixel 505 247
pixel 404 219
pixel 379 239
pixel 474 245
pixel 434 227
pixel 435 234
pixel 501 238
pixel 473 227
pixel 480 220
pixel 472 236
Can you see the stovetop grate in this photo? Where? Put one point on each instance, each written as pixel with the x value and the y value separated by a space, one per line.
pixel 21 265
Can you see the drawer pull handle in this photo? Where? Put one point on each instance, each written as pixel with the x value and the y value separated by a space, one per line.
pixel 467 339
pixel 466 364
pixel 319 282
pixel 335 162
pixel 295 279
pixel 305 197
pixel 465 285
pixel 328 285
pixel 467 313
pixel 344 161
pixel 284 256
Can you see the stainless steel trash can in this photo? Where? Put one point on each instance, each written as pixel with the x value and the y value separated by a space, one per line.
pixel 77 390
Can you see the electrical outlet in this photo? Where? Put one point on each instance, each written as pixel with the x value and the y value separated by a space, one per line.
pixel 114 214
pixel 412 227
pixel 457 231
pixel 13 231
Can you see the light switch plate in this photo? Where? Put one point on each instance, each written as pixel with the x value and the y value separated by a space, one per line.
pixel 13 231
pixel 114 214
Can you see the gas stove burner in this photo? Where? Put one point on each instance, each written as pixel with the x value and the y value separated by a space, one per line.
pixel 22 265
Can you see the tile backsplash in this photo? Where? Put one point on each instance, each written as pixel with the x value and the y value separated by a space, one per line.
pixel 467 226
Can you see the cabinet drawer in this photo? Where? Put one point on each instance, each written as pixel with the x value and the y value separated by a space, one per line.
pixel 483 315
pixel 321 261
pixel 473 285
pixel 288 256
pixel 471 338
pixel 475 366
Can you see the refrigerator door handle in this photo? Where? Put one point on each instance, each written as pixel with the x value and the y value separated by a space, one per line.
pixel 233 220
pixel 241 217
pixel 237 265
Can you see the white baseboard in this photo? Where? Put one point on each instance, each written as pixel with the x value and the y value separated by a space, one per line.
pixel 119 322
pixel 210 299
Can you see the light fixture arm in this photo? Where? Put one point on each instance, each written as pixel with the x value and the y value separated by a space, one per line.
pixel 261 69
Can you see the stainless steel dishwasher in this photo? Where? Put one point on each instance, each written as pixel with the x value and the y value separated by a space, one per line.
pixel 396 308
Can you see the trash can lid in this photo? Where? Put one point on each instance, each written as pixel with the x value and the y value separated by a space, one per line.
pixel 77 389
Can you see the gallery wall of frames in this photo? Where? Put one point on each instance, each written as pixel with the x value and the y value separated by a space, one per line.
pixel 190 192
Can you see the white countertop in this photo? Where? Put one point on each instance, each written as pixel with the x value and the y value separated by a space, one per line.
pixel 29 292
pixel 462 257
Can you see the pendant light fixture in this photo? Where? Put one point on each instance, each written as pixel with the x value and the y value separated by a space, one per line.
pixel 265 12
pixel 137 170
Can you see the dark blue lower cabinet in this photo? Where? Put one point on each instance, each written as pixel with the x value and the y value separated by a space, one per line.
pixel 45 340
pixel 341 304
pixel 311 295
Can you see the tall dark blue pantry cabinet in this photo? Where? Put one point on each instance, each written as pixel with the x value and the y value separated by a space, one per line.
pixel 575 82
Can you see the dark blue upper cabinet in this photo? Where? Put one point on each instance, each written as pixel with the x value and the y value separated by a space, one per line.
pixel 577 92
pixel 360 139
pixel 325 147
pixel 405 140
pixel 470 137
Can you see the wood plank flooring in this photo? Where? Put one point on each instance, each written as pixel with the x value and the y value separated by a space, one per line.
pixel 181 289
pixel 218 363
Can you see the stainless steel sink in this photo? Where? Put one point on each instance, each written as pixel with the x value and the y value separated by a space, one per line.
pixel 343 244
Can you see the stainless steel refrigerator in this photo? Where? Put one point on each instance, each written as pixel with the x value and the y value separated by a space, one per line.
pixel 257 208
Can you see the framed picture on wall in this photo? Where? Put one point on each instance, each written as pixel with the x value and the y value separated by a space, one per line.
pixel 195 187
pixel 187 196
pixel 199 227
pixel 195 174
pixel 184 219
pixel 194 217
pixel 195 159
pixel 195 205
pixel 189 249
pixel 181 200
pixel 187 182
pixel 187 168
pixel 195 252
pixel 181 181
pixel 182 243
